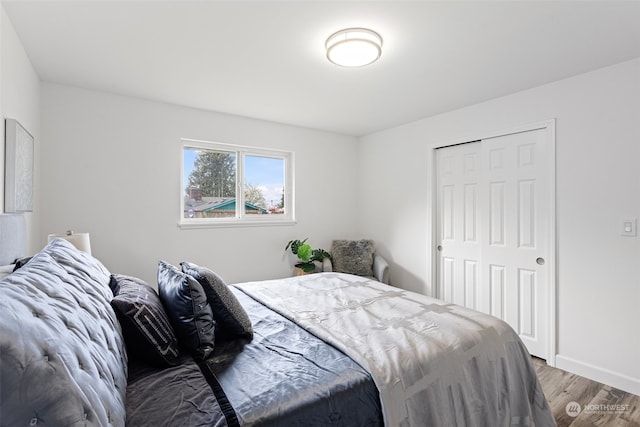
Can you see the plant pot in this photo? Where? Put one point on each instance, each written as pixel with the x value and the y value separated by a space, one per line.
pixel 300 272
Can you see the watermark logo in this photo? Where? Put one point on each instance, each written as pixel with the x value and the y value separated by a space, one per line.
pixel 606 408
pixel 573 409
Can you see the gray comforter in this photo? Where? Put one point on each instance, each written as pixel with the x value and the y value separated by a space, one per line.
pixel 434 363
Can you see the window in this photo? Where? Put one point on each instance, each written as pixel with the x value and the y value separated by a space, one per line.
pixel 226 184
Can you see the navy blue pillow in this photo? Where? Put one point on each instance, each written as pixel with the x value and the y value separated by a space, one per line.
pixel 186 304
pixel 146 328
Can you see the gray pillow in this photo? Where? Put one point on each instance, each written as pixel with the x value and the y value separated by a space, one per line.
pixel 353 257
pixel 231 318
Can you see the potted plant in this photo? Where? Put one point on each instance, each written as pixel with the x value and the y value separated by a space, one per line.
pixel 307 256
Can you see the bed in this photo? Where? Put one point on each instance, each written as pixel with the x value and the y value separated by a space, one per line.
pixel 326 349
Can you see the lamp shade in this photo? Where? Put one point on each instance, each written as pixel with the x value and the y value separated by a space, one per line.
pixel 354 47
pixel 79 240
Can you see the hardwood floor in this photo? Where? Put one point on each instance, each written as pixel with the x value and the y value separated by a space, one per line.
pixel 599 404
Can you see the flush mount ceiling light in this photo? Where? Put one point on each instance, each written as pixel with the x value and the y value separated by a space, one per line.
pixel 354 47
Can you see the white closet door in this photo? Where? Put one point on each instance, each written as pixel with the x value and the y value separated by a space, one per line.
pixel 459 188
pixel 492 230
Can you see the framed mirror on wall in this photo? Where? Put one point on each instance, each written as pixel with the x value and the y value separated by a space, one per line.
pixel 18 180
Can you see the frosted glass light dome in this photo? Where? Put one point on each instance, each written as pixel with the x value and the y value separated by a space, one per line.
pixel 354 47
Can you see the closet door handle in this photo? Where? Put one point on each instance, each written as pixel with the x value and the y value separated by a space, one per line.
pixel 540 261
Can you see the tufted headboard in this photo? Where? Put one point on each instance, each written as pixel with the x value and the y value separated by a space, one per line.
pixel 63 354
pixel 13 237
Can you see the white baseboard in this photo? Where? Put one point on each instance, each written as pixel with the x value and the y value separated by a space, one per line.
pixel 601 375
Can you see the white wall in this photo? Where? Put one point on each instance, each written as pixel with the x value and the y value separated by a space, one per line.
pixel 598 183
pixel 113 169
pixel 20 100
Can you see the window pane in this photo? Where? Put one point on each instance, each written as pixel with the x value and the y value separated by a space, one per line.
pixel 264 185
pixel 209 183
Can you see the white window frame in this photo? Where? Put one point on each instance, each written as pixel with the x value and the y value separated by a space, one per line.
pixel 241 219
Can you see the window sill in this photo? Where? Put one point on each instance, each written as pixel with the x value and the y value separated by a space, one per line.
pixel 229 223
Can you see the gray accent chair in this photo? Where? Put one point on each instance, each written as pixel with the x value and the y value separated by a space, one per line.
pixel 356 257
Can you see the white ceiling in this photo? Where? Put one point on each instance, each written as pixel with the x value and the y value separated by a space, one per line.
pixel 266 59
